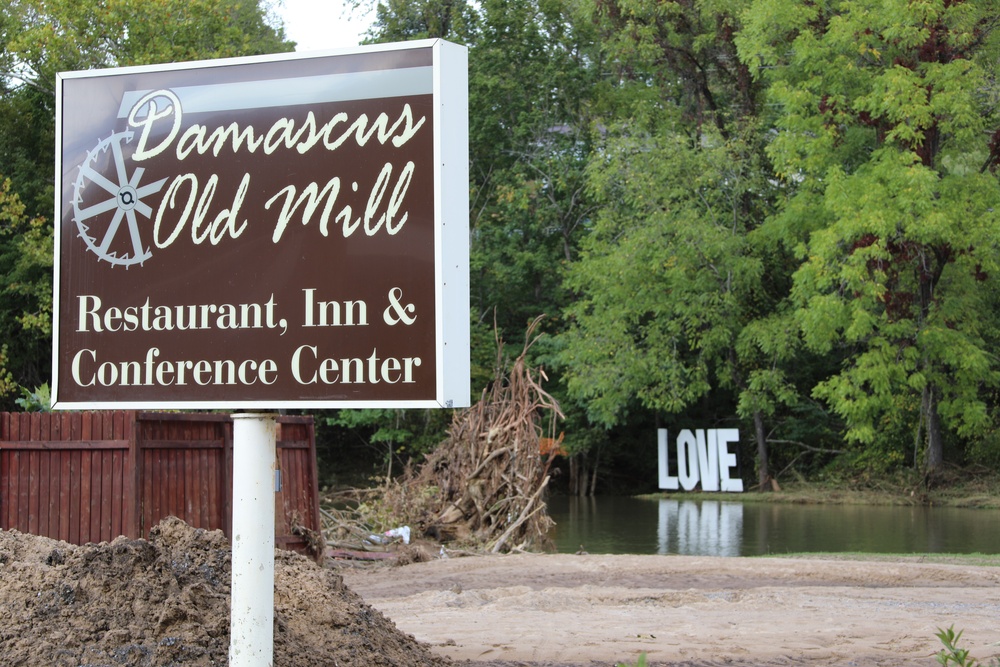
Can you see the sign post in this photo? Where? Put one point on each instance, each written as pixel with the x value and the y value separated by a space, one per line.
pixel 284 231
pixel 251 622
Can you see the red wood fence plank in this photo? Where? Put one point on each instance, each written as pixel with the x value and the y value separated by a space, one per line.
pixel 65 482
pixel 35 421
pixel 107 500
pixel 117 477
pixel 76 490
pixel 6 461
pixel 55 483
pixel 189 458
pixel 23 491
pixel 214 485
pixel 86 499
pixel 131 463
pixel 145 489
pixel 40 487
pixel 32 499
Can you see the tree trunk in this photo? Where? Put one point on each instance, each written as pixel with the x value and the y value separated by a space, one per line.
pixel 579 478
pixel 935 446
pixel 763 469
pixel 918 437
pixel 593 475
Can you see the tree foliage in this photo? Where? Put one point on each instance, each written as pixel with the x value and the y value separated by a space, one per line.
pixel 48 36
pixel 25 299
pixel 887 130
pixel 678 300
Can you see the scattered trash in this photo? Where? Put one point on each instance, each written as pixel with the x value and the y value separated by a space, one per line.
pixel 402 531
pixel 389 535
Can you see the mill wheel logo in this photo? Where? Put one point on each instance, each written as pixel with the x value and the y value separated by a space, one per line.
pixel 106 195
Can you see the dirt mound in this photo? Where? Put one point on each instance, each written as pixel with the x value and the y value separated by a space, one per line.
pixel 165 601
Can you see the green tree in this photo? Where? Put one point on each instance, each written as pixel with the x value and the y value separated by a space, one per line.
pixel 887 139
pixel 535 75
pixel 402 20
pixel 679 302
pixel 26 296
pixel 396 435
pixel 48 36
pixel 530 142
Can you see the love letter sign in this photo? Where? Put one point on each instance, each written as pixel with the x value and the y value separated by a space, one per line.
pixel 702 456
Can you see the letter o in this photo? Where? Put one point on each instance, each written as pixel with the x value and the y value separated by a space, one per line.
pixel 687 460
pixel 107 374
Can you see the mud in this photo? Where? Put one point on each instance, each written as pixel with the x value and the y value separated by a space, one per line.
pixel 165 601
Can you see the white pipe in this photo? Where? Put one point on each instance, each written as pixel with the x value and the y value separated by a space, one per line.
pixel 251 625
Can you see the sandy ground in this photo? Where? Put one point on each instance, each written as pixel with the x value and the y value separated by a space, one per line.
pixel 595 610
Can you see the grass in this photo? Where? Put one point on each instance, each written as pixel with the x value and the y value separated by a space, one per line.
pixel 953 654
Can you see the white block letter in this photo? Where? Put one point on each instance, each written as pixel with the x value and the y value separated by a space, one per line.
pixel 708 460
pixel 727 459
pixel 666 481
pixel 687 460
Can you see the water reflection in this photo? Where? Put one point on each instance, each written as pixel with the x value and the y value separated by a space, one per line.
pixel 707 528
pixel 727 528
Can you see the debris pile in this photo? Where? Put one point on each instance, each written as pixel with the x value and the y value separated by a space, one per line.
pixel 165 601
pixel 485 485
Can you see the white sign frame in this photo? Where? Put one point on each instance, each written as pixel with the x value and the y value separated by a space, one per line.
pixel 451 237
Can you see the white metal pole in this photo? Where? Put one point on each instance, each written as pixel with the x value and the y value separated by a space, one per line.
pixel 251 625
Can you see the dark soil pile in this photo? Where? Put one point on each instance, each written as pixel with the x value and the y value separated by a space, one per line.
pixel 165 601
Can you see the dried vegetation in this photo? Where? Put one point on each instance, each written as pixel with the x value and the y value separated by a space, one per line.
pixel 483 488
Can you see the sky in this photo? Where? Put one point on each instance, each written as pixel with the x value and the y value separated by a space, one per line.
pixel 321 24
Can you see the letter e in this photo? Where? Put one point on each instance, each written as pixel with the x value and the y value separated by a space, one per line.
pixel 727 459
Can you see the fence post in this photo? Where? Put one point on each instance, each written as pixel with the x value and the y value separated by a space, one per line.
pixel 133 479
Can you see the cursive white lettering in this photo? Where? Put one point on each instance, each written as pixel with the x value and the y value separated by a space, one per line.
pixel 147 116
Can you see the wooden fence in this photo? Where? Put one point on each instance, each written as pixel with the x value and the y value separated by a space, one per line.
pixel 91 476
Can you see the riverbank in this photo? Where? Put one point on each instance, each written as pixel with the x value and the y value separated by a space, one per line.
pixel 966 488
pixel 567 610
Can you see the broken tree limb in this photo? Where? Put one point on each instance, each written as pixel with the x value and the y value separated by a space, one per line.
pixel 521 519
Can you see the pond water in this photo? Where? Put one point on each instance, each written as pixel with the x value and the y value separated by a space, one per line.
pixel 619 525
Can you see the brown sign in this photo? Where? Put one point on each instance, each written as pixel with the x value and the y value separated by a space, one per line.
pixel 265 232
